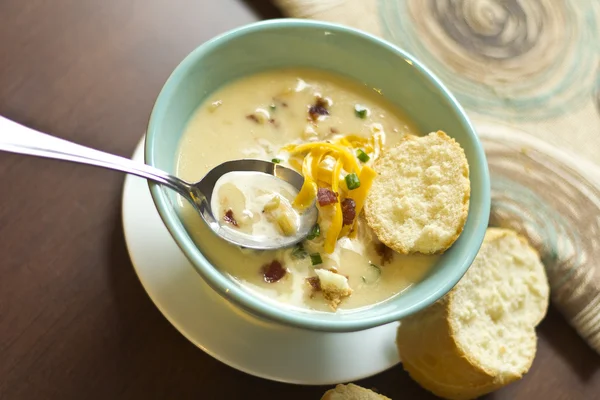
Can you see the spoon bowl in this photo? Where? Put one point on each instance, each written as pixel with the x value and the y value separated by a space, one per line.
pixel 16 138
pixel 205 186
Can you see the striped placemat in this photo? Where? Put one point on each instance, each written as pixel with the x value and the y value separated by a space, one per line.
pixel 528 73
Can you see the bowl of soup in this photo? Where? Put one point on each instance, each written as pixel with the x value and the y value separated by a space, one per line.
pixel 263 91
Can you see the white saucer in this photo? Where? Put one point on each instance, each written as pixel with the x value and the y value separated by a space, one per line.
pixel 264 349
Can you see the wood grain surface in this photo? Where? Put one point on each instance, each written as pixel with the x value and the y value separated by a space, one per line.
pixel 75 322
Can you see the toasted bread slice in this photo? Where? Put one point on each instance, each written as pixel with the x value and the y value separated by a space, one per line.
pixel 352 392
pixel 419 200
pixel 481 336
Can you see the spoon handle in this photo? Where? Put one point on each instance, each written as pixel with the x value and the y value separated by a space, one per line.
pixel 16 138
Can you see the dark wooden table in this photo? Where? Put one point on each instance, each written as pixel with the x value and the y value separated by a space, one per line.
pixel 75 322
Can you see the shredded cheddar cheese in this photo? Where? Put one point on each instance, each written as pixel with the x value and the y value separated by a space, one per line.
pixel 325 170
pixel 324 164
pixel 350 163
pixel 308 192
pixel 334 230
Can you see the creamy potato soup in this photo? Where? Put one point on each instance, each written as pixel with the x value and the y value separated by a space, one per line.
pixel 328 128
pixel 256 204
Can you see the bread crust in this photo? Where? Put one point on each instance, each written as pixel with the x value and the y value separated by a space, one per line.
pixel 352 392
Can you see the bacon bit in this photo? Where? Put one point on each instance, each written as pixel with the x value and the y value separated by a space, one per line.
pixel 229 218
pixel 253 117
pixel 384 252
pixel 333 130
pixel 326 196
pixel 318 109
pixel 348 211
pixel 272 120
pixel 315 283
pixel 273 272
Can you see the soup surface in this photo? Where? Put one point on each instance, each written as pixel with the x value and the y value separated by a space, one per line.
pixel 255 204
pixel 260 116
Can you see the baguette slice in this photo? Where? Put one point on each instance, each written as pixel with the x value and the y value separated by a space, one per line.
pixel 481 336
pixel 352 392
pixel 419 200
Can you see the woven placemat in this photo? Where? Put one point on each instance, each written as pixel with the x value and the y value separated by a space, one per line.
pixel 528 74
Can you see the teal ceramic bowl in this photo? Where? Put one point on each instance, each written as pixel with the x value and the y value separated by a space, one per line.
pixel 365 58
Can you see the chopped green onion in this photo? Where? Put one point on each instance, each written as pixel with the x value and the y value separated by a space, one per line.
pixel 316 259
pixel 374 278
pixel 272 107
pixel 299 251
pixel 352 181
pixel 314 232
pixel 376 267
pixel 276 160
pixel 362 156
pixel 361 112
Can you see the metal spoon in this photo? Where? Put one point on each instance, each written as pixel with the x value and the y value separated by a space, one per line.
pixel 16 138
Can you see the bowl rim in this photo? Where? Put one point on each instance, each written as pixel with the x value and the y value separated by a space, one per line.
pixel 226 286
